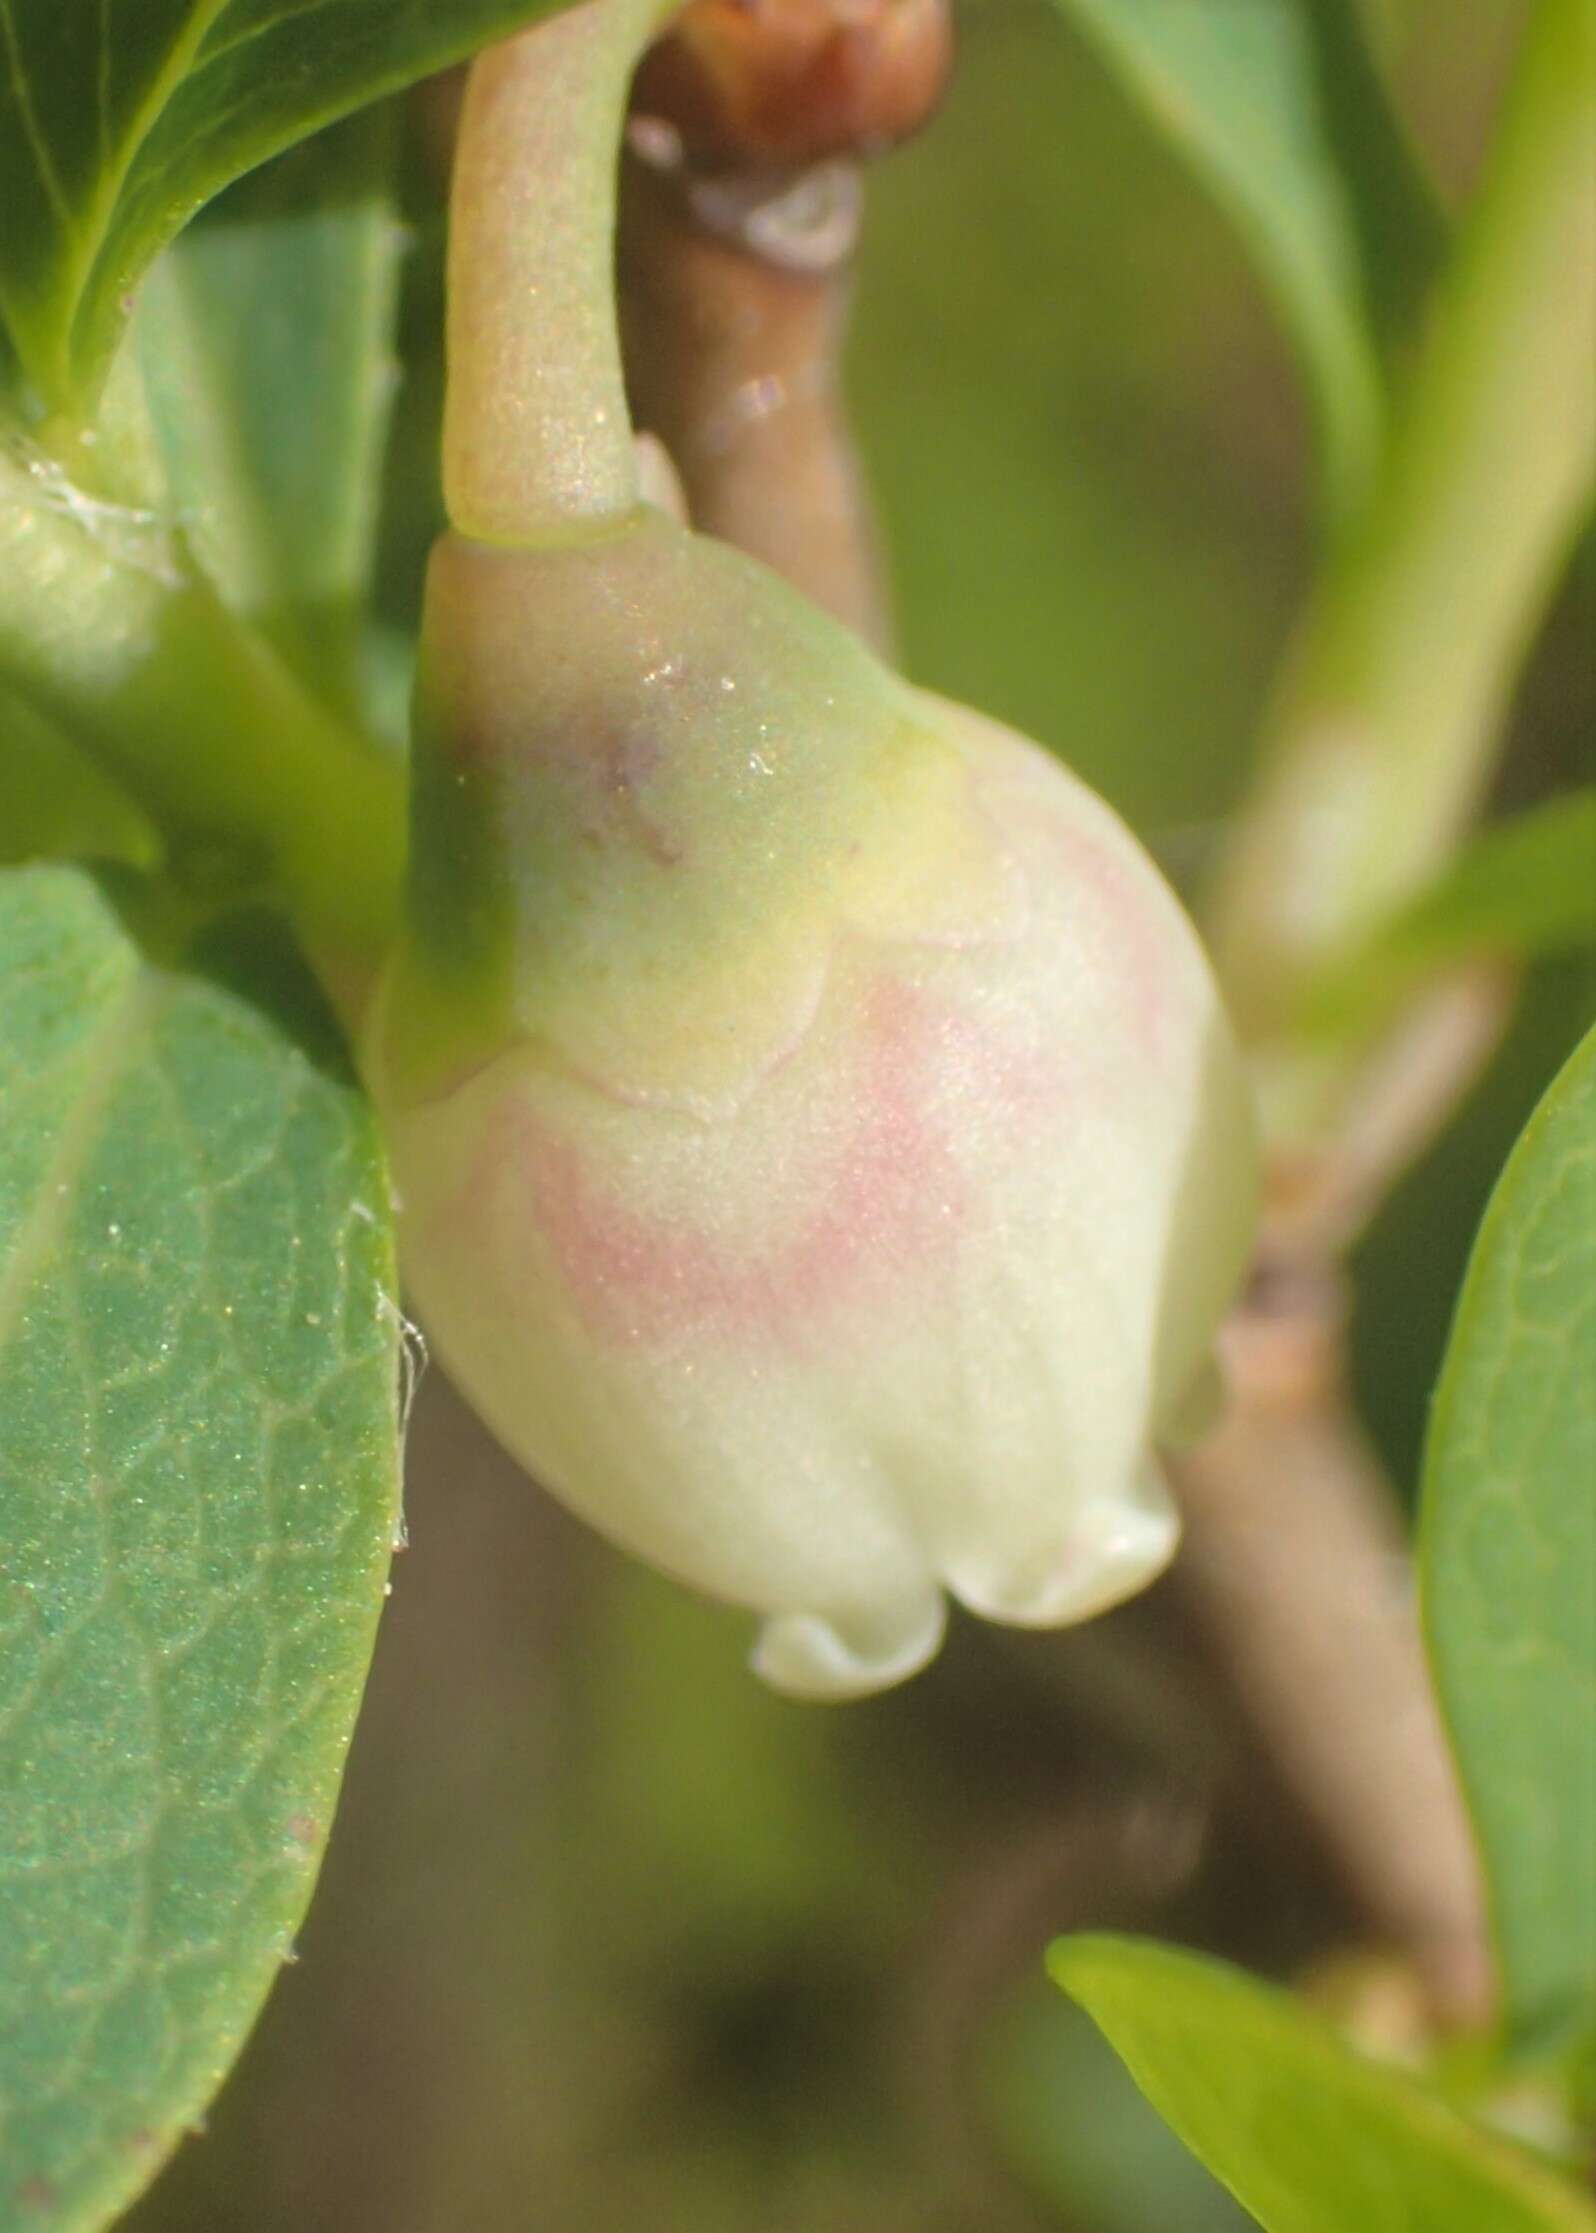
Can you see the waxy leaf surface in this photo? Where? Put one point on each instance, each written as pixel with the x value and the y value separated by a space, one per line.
pixel 119 118
pixel 1508 1558
pixel 198 1496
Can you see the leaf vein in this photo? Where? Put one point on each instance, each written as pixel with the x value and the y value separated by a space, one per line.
pixel 49 177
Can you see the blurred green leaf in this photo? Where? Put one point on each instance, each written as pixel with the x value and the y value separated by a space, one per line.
pixel 118 118
pixel 266 337
pixel 198 1480
pixel 1082 2136
pixel 1508 1558
pixel 1311 2137
pixel 1278 108
pixel 55 801
pixel 1524 889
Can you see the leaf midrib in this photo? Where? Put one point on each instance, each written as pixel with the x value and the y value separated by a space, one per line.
pixel 86 232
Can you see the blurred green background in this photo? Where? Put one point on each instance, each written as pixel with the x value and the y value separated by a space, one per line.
pixel 608 1937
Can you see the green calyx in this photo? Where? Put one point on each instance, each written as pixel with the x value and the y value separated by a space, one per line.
pixel 651 787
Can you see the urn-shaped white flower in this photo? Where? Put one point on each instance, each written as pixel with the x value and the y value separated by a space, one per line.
pixel 820 1152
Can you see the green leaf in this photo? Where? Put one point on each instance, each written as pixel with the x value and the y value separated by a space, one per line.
pixel 1523 889
pixel 54 800
pixel 1081 2135
pixel 119 118
pixel 1278 108
pixel 1508 1558
pixel 198 1483
pixel 1311 2137
pixel 266 338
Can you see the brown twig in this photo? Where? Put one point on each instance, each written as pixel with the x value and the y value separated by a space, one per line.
pixel 1295 1571
pixel 739 216
pixel 734 296
pixel 1296 1577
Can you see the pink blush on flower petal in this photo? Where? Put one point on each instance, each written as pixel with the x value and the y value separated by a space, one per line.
pixel 890 1204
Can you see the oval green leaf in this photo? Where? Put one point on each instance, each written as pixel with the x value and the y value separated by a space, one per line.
pixel 1508 1558
pixel 117 123
pixel 1309 2136
pixel 198 1495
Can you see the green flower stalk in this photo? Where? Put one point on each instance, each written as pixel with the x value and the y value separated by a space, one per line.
pixel 821 1154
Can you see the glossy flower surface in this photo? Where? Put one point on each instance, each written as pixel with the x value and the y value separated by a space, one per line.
pixel 821 1155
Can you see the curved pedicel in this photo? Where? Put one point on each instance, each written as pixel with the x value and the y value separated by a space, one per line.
pixel 821 1155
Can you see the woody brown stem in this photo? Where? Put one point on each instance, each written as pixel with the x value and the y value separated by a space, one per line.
pixel 1295 1574
pixel 1295 1570
pixel 734 297
pixel 740 209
